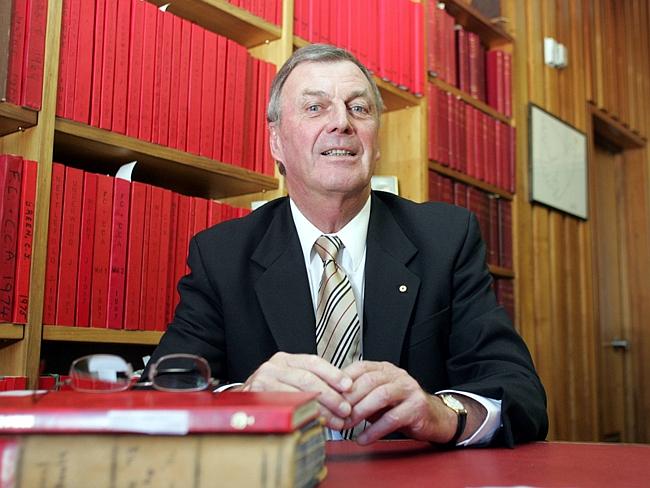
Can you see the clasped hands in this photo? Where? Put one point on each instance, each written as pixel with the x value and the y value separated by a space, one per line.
pixel 380 392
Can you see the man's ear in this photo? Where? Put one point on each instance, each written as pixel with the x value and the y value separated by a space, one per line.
pixel 275 143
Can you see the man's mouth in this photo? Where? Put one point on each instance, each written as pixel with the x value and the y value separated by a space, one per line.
pixel 338 152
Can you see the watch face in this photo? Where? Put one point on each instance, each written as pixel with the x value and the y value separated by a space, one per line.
pixel 451 402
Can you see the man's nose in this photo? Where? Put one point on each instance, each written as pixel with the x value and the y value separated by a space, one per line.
pixel 339 120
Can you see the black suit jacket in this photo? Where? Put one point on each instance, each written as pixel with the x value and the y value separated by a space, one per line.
pixel 247 297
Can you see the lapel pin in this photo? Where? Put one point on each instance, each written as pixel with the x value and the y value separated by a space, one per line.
pixel 402 288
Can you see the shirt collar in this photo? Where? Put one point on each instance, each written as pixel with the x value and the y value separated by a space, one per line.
pixel 353 235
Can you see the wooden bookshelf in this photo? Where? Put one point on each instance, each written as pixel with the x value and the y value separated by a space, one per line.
pixel 470 18
pixel 93 334
pixel 460 176
pixel 164 166
pixel 467 98
pixel 14 118
pixel 225 19
pixel 11 332
pixel 394 98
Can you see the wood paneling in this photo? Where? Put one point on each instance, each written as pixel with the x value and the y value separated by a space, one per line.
pixel 608 66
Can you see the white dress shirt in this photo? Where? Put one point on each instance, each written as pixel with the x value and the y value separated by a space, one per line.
pixel 352 258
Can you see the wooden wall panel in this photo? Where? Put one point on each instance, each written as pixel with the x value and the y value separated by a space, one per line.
pixel 609 66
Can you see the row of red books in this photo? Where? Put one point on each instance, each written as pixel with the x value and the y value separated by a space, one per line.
pixel 45 382
pixel 494 214
pixel 22 51
pixel 468 140
pixel 269 10
pixel 386 35
pixel 128 67
pixel 457 56
pixel 505 291
pixel 116 249
pixel 18 187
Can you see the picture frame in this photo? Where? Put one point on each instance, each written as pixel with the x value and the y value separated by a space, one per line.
pixel 558 163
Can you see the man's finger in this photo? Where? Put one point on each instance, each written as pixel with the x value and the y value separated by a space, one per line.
pixel 330 374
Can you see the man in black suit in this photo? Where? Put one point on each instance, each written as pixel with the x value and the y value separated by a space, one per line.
pixel 434 357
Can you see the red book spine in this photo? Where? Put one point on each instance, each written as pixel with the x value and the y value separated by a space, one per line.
pixel 121 80
pixel 148 71
pixel 135 69
pixel 219 100
pixel 512 154
pixel 492 79
pixel 53 243
pixel 172 140
pixel 133 285
pixel 11 169
pixel 418 43
pixel 229 101
pixel 252 94
pixel 64 55
pixel 25 240
pixel 72 43
pixel 119 240
pixel 473 50
pixel 32 89
pixel 260 119
pixel 108 65
pixel 98 62
pixel 194 107
pixel 486 150
pixel 184 85
pixel 162 269
pixel 446 189
pixel 239 115
pixel 181 244
pixel 493 230
pixel 462 136
pixel 469 139
pixel 507 84
pixel 171 277
pixel 460 194
pixel 200 214
pixel 499 165
pixel 165 80
pixel 153 259
pixel 86 245
pixel 269 163
pixel 209 82
pixel 83 77
pixel 505 233
pixel 451 53
pixel 143 321
pixel 69 257
pixel 463 59
pixel 17 51
pixel 101 252
pixel 157 77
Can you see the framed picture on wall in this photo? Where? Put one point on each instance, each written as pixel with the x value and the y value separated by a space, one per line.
pixel 558 163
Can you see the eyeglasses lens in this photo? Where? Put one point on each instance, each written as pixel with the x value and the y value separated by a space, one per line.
pixel 100 373
pixel 181 373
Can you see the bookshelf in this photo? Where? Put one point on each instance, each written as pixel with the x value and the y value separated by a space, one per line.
pixel 403 139
pixel 14 118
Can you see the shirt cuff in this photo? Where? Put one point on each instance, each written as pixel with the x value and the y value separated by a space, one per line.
pixel 225 387
pixel 490 425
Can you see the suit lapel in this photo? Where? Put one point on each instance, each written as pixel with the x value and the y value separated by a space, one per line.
pixel 283 288
pixel 390 287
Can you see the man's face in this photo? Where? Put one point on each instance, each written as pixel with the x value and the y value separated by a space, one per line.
pixel 327 133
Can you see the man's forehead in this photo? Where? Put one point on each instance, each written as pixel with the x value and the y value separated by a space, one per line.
pixel 316 76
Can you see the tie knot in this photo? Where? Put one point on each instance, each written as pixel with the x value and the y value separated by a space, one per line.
pixel 328 247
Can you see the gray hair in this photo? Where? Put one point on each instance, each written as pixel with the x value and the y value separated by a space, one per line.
pixel 316 53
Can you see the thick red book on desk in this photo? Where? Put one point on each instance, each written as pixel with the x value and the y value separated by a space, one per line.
pixel 156 412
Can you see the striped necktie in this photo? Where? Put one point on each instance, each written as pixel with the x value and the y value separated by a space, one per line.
pixel 337 320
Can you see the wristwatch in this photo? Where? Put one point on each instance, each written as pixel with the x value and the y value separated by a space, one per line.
pixel 455 404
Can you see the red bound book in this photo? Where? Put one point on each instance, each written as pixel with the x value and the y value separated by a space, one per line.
pixel 69 257
pixel 405 47
pixel 323 20
pixel 162 137
pixel 71 44
pixel 172 140
pixel 17 51
pixel 25 240
pixel 451 130
pixel 499 130
pixel 431 41
pixel 162 270
pixel 493 230
pixel 121 80
pixel 108 65
pixel 481 73
pixel 446 189
pixel 473 48
pixel 505 233
pixel 200 215
pixel 507 84
pixel 170 279
pixel 443 128
pixel 157 412
pixel 462 136
pixel 181 244
pixel 269 163
pixel 434 186
pixel 53 243
pixel 148 71
pixel 470 155
pixel 32 89
pixel 84 72
pixel 463 58
pixel 484 167
pixel 491 176
pixel 184 85
pixel 11 171
pixel 229 101
pixel 214 212
pixel 150 266
pixel 135 69
pixel 101 252
pixel 259 125
pixel 86 245
pixel 119 242
pixel 157 77
pixel 382 17
pixel 451 54
pixel 494 80
pixel 143 323
pixel 219 98
pixel 134 255
pixel 209 92
pixel 195 99
pixel 250 123
pixel 418 43
pixel 512 154
pixel 98 62
pixel 242 69
pixel 460 194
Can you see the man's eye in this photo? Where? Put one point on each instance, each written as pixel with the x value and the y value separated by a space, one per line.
pixel 359 109
pixel 313 108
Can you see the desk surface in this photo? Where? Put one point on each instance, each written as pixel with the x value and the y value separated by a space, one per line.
pixel 548 464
